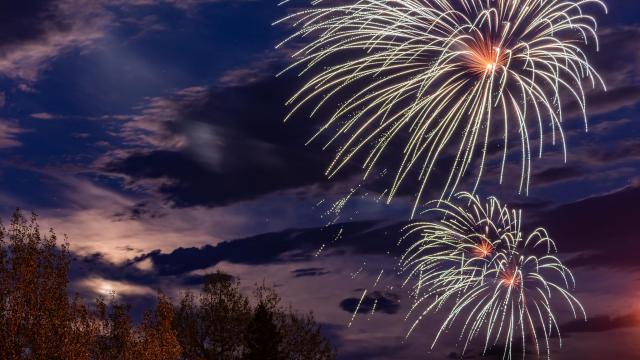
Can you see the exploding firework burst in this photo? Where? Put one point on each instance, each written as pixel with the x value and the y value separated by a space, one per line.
pixel 443 79
pixel 475 265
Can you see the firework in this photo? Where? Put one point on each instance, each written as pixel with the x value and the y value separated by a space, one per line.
pixel 475 265
pixel 442 79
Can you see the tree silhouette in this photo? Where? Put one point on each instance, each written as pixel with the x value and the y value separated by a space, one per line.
pixel 222 325
pixel 263 337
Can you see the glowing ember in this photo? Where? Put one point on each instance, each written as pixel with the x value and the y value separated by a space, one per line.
pixel 482 250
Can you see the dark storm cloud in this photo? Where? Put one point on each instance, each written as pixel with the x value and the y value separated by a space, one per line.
pixel 599 227
pixel 384 302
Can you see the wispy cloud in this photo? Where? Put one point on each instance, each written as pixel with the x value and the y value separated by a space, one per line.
pixel 9 134
pixel 35 33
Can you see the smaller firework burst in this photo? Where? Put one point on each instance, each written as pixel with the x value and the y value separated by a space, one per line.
pixel 475 264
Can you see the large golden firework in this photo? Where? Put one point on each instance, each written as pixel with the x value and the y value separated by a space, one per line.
pixel 442 78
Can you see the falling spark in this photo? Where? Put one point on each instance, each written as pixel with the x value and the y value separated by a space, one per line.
pixel 338 235
pixel 355 312
pixel 443 79
pixel 320 249
pixel 378 278
pixel 373 308
pixel 475 264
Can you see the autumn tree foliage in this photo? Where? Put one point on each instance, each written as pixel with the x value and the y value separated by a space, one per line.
pixel 116 336
pixel 39 320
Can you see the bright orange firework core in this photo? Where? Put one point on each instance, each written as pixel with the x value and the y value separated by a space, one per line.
pixel 485 57
pixel 510 278
pixel 483 249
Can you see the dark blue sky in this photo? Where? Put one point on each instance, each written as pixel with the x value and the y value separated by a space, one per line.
pixel 141 127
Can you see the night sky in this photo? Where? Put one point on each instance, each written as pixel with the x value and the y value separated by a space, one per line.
pixel 151 133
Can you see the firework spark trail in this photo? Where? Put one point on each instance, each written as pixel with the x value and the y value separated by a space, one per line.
pixel 438 75
pixel 355 312
pixel 475 264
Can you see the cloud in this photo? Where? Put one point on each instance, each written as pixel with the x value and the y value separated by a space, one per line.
pixel 386 303
pixel 34 33
pixel 181 4
pixel 106 288
pixel 622 150
pixel 598 227
pixel 100 220
pixel 557 174
pixel 9 132
pixel 292 245
pixel 605 127
pixel 600 323
pixel 219 145
pixel 304 272
pixel 617 62
pixel 225 136
pixel 619 57
pixel 43 116
pixel 226 143
pixel 613 100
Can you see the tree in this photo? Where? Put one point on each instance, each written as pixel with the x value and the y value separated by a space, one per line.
pixel 37 318
pixel 298 336
pixel 213 327
pixel 116 336
pixel 158 337
pixel 39 321
pixel 263 336
pixel 302 339
pixel 222 325
pixel 119 339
